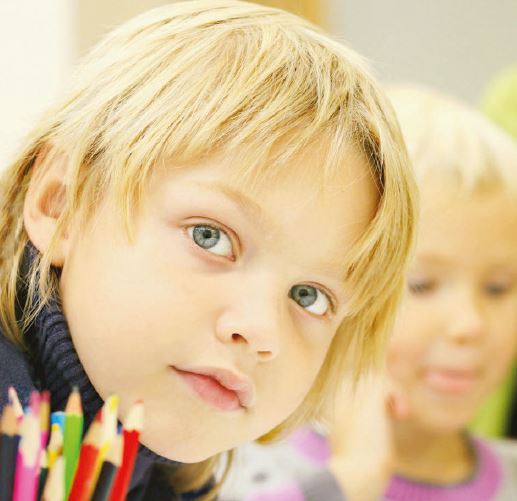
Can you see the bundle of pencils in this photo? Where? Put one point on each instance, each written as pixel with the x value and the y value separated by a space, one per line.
pixel 45 457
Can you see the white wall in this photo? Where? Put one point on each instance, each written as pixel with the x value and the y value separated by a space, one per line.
pixel 40 41
pixel 36 50
pixel 453 45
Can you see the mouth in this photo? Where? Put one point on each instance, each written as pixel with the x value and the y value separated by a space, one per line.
pixel 221 388
pixel 453 381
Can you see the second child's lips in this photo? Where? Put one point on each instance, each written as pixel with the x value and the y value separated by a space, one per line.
pixel 452 381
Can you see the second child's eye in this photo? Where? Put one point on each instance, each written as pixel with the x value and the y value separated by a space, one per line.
pixel 310 298
pixel 421 286
pixel 211 239
pixel 495 289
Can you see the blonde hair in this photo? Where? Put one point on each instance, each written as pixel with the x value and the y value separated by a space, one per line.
pixel 185 80
pixel 447 139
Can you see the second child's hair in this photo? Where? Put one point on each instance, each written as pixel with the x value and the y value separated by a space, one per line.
pixel 191 79
pixel 451 141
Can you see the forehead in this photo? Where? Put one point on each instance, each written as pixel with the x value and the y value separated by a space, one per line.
pixel 291 203
pixel 471 226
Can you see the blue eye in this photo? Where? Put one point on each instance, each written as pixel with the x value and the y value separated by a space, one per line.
pixel 310 298
pixel 211 239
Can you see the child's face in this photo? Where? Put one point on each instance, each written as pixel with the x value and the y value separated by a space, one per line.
pixel 242 285
pixel 456 335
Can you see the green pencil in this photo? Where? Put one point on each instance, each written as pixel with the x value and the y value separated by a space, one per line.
pixel 72 436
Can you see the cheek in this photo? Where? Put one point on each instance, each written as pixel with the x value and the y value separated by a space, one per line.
pixel 407 348
pixel 287 382
pixel 501 346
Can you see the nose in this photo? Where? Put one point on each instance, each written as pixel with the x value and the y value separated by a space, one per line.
pixel 466 318
pixel 253 321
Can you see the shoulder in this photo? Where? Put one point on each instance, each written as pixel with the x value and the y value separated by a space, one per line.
pixel 285 464
pixel 505 450
pixel 506 453
pixel 15 370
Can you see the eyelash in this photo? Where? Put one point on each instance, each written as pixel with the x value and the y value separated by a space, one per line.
pixel 233 239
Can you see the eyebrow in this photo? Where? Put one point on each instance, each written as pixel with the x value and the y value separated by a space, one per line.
pixel 252 209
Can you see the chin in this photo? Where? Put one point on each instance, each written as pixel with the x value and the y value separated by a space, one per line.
pixel 184 451
pixel 445 421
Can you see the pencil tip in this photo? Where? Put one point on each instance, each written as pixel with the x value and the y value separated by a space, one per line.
pixel 73 406
pixel 135 417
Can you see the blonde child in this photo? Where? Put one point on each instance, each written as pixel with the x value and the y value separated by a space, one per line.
pixel 218 207
pixel 454 340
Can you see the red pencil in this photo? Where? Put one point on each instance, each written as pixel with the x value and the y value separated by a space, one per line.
pixel 84 479
pixel 132 429
pixel 109 471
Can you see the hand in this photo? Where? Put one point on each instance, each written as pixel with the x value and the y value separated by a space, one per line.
pixel 361 437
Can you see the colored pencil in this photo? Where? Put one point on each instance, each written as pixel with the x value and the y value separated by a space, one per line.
pixel 15 401
pixel 72 436
pixel 132 429
pixel 27 461
pixel 84 479
pixel 108 413
pixel 55 445
pixel 8 448
pixel 109 470
pixel 43 473
pixel 58 417
pixel 35 402
pixel 55 487
pixel 44 417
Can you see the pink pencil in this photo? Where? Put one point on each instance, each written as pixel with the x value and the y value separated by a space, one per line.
pixel 27 461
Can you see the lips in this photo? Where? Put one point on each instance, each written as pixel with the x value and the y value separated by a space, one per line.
pixel 453 381
pixel 222 388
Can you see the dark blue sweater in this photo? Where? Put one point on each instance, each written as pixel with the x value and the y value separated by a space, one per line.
pixel 52 363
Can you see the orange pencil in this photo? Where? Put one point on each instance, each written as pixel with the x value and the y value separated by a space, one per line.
pixel 132 429
pixel 84 479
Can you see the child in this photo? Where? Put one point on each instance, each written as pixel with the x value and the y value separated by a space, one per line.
pixel 216 210
pixel 454 340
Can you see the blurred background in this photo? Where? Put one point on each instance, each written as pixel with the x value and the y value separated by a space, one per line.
pixel 456 46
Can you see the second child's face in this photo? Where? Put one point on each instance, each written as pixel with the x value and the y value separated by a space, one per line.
pixel 456 335
pixel 220 313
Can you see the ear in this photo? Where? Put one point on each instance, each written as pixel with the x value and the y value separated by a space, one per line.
pixel 44 203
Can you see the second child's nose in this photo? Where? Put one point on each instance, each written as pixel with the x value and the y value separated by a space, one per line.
pixel 466 322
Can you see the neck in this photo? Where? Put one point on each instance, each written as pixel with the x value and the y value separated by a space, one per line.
pixel 432 457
